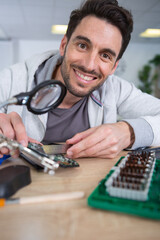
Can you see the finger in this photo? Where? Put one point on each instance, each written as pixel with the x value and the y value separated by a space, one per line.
pixel 6 128
pixel 34 141
pixel 18 126
pixel 91 140
pixel 108 145
pixel 108 153
pixel 103 148
pixel 4 151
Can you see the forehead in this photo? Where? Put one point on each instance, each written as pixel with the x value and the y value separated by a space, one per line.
pixel 99 32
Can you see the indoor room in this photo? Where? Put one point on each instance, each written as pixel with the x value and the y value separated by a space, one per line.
pixel 80 156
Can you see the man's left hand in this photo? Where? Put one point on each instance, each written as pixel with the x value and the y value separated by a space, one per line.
pixel 104 141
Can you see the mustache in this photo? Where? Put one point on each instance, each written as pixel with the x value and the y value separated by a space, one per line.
pixel 83 69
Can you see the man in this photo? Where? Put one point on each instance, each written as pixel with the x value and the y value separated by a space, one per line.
pixel 98 34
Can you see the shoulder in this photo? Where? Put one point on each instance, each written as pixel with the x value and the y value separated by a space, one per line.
pixel 115 85
pixel 117 82
pixel 34 61
pixel 114 89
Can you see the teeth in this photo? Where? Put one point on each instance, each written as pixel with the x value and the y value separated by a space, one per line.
pixel 84 77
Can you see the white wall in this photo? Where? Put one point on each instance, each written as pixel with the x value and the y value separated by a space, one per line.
pixel 6 54
pixel 17 51
pixel 29 48
pixel 134 58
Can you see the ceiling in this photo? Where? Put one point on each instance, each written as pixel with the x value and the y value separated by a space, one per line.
pixel 32 19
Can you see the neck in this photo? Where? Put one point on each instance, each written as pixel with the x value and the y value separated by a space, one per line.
pixel 69 99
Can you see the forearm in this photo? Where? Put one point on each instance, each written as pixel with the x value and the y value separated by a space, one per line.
pixel 143 133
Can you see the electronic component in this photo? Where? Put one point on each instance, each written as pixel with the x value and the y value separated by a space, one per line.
pixel 132 177
pixel 131 186
pixel 45 150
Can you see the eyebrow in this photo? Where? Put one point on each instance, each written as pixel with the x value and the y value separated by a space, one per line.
pixel 80 37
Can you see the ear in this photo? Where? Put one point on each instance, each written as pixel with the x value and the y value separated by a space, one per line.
pixel 63 45
pixel 114 68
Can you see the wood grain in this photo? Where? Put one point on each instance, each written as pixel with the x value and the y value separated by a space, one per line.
pixel 71 219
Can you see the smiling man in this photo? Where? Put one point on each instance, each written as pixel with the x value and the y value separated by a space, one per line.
pixel 97 36
pixel 90 55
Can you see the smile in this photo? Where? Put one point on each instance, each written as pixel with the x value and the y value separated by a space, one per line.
pixel 84 77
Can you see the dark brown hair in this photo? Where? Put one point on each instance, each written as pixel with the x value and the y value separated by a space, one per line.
pixel 110 11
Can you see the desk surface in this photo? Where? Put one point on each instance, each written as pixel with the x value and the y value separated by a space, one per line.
pixel 71 219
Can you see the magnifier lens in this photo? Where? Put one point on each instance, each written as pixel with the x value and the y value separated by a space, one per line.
pixel 45 97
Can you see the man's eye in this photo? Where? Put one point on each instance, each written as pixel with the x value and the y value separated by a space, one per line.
pixel 82 45
pixel 105 55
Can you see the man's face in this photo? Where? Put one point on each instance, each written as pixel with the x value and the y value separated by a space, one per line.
pixel 90 55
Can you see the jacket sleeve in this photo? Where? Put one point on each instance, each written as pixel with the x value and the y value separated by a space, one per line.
pixel 141 111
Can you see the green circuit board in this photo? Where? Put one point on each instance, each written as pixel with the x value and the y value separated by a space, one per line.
pixel 63 161
pixel 131 187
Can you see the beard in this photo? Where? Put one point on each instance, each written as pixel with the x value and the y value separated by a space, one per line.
pixel 66 78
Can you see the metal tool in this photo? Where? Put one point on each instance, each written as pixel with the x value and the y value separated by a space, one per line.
pixel 47 163
pixel 53 151
pixel 55 148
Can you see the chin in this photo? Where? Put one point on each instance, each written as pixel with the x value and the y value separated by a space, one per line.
pixel 79 94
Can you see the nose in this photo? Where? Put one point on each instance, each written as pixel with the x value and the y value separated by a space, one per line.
pixel 91 61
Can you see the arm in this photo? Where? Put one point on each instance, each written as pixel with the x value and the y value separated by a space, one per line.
pixel 11 124
pixel 141 112
pixel 104 141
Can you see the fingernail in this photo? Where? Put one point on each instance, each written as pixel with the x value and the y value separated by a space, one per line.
pixel 69 153
pixel 23 143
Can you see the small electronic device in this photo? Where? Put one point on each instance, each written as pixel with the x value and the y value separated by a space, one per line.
pixel 132 186
pixel 47 163
pixel 54 152
pixel 36 155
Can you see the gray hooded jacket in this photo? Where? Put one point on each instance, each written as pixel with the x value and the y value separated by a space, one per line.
pixel 115 99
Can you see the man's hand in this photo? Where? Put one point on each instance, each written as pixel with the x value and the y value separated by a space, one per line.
pixel 104 141
pixel 11 126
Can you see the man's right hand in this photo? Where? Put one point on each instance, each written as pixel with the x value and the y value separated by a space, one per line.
pixel 11 126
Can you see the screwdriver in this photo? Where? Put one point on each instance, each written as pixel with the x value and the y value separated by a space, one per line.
pixel 44 198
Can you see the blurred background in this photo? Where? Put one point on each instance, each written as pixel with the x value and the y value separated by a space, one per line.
pixel 25 30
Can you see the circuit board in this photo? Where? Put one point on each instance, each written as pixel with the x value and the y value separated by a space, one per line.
pixel 59 158
pixel 132 186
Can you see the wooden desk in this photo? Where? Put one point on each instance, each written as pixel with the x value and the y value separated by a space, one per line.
pixel 71 219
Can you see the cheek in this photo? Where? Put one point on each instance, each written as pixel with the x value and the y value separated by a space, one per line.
pixel 73 56
pixel 107 69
